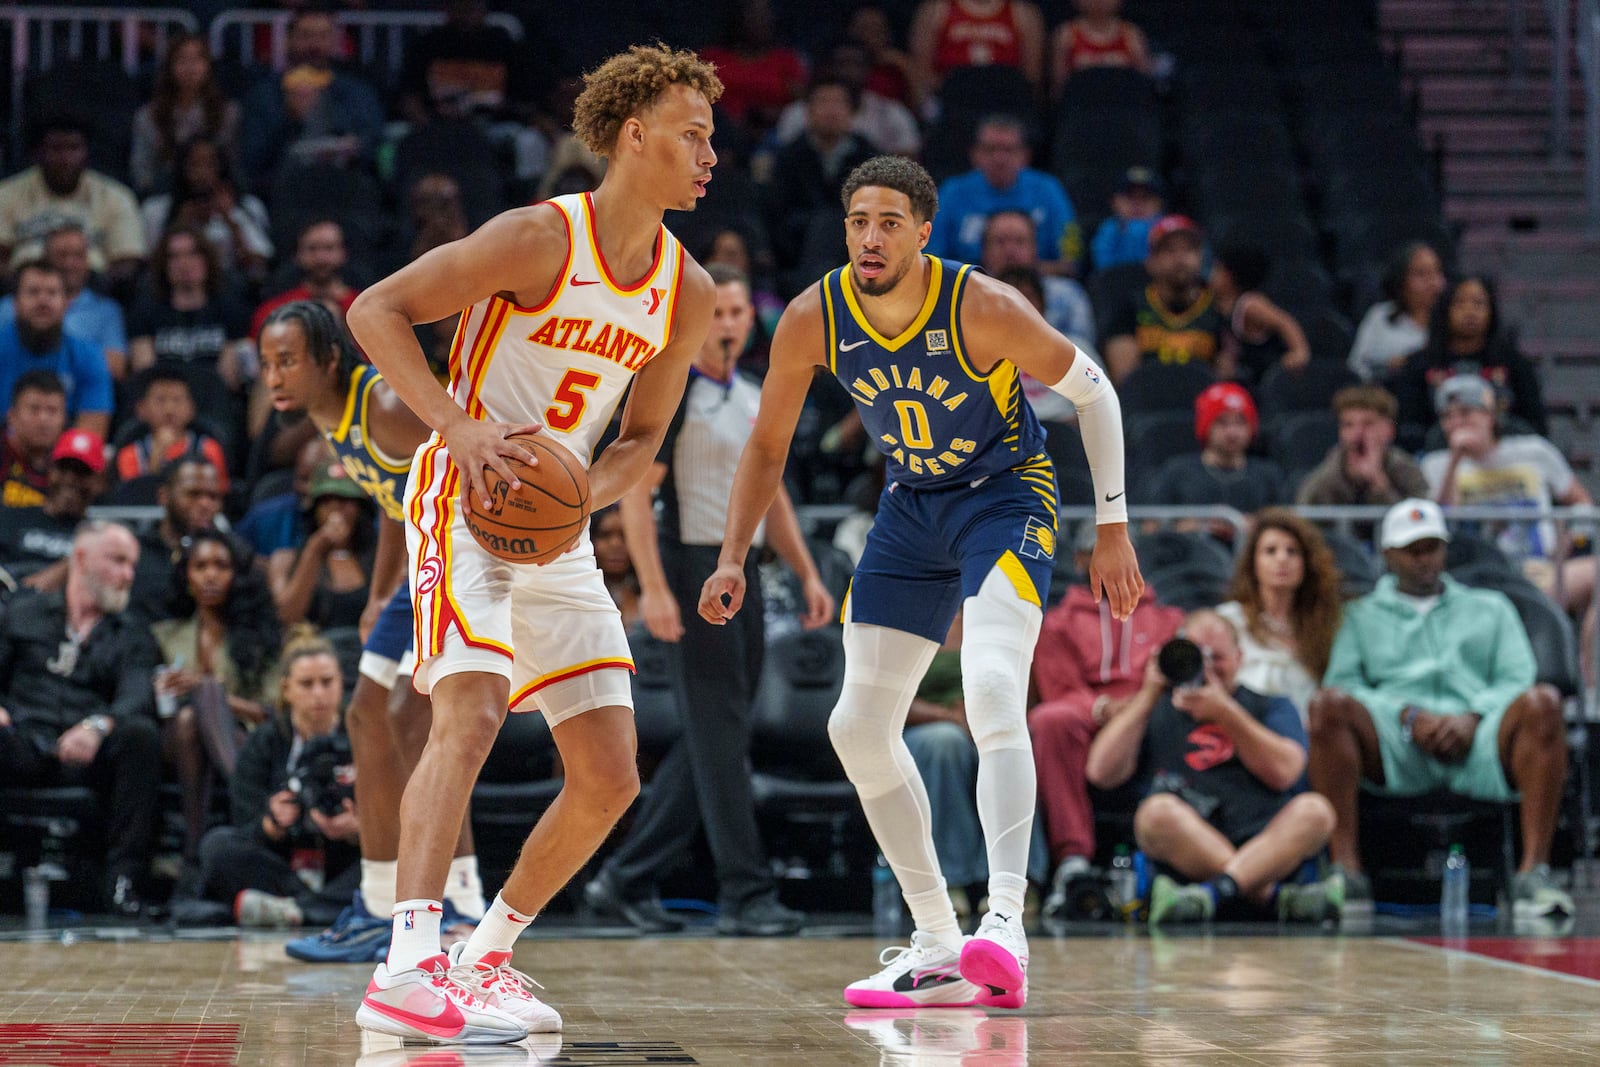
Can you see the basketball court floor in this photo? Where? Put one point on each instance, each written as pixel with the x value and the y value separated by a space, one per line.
pixel 1249 995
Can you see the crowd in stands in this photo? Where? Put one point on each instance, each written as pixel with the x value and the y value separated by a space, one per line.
pixel 183 649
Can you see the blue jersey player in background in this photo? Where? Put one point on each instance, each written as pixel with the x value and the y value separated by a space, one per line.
pixel 930 350
pixel 309 365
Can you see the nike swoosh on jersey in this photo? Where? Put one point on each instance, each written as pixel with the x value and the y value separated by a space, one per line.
pixel 447 1023
pixel 576 281
pixel 852 346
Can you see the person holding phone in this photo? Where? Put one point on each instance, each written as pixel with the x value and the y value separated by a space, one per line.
pixel 1226 809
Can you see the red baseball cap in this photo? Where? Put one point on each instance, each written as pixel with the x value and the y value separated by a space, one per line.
pixel 1223 396
pixel 85 446
pixel 1168 225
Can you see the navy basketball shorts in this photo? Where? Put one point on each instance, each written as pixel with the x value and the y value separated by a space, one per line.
pixel 393 633
pixel 930 549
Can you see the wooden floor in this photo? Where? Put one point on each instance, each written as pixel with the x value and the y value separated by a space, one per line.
pixel 1123 999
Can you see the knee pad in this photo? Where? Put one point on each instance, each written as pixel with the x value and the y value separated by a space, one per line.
pixel 999 630
pixel 882 670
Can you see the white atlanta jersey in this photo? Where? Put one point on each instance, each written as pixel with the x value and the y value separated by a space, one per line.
pixel 568 361
pixel 565 363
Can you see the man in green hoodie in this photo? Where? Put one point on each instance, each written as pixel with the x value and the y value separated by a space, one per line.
pixel 1430 687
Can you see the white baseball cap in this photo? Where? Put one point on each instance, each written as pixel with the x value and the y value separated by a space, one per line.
pixel 1411 521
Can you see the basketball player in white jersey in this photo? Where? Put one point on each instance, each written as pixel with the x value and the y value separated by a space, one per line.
pixel 567 302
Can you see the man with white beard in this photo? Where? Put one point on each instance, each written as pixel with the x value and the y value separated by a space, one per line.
pixel 77 701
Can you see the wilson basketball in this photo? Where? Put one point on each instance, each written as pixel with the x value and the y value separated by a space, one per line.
pixel 542 519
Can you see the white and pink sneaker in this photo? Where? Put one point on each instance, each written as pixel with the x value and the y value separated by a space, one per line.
pixel 926 975
pixel 495 982
pixel 995 959
pixel 428 1003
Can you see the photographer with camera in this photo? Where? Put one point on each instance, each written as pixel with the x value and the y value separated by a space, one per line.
pixel 1225 807
pixel 290 856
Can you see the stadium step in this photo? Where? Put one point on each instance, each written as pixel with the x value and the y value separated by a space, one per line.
pixel 1491 21
pixel 1521 214
pixel 1447 51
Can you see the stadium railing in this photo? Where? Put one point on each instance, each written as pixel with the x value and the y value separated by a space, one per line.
pixel 380 36
pixel 40 36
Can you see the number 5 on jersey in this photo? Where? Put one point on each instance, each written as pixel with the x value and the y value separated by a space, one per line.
pixel 567 410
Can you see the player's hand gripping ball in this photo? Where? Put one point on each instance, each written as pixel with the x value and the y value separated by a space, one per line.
pixel 542 519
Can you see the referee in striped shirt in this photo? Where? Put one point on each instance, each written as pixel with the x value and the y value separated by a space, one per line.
pixel 704 779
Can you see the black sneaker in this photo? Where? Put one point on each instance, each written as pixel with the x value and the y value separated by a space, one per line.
pixel 761 917
pixel 644 914
pixel 122 898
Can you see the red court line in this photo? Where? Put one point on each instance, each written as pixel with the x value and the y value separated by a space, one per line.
pixel 144 1044
pixel 1577 956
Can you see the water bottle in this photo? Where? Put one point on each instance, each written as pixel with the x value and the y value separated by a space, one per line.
pixel 1453 892
pixel 886 900
pixel 36 896
pixel 1124 883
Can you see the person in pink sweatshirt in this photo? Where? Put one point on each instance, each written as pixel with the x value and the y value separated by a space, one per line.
pixel 1085 667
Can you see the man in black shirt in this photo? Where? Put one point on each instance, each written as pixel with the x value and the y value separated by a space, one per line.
pixel 1225 807
pixel 191 496
pixel 35 542
pixel 77 701
pixel 1174 318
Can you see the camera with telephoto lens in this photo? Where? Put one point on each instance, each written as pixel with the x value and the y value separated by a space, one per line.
pixel 1183 663
pixel 323 777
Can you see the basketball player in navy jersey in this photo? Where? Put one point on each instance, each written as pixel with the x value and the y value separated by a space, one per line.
pixel 309 365
pixel 930 350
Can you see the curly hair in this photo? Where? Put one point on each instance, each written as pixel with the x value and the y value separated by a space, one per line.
pixel 630 81
pixel 1316 607
pixel 900 174
pixel 249 616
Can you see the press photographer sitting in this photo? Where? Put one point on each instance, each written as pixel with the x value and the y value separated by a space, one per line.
pixel 1225 808
pixel 290 856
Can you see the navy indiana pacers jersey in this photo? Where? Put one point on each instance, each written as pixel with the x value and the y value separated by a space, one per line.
pixel 381 477
pixel 938 421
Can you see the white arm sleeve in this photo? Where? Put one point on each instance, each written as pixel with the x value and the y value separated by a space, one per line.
pixel 1100 421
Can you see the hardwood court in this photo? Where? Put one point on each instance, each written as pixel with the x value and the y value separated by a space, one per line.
pixel 1095 1000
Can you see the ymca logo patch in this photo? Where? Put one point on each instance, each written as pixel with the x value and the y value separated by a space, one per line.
pixel 937 341
pixel 1038 540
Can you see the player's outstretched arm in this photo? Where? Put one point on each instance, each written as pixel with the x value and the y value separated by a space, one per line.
pixel 798 348
pixel 657 389
pixel 518 252
pixel 998 324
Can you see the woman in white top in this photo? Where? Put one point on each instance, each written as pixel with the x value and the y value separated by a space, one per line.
pixel 1397 326
pixel 187 103
pixel 1285 606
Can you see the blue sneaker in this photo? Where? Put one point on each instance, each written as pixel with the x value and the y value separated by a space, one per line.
pixel 356 936
pixel 453 925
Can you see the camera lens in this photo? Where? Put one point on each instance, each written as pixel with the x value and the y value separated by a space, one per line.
pixel 1181 662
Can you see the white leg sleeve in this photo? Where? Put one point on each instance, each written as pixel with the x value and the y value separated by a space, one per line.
pixel 999 630
pixel 882 669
